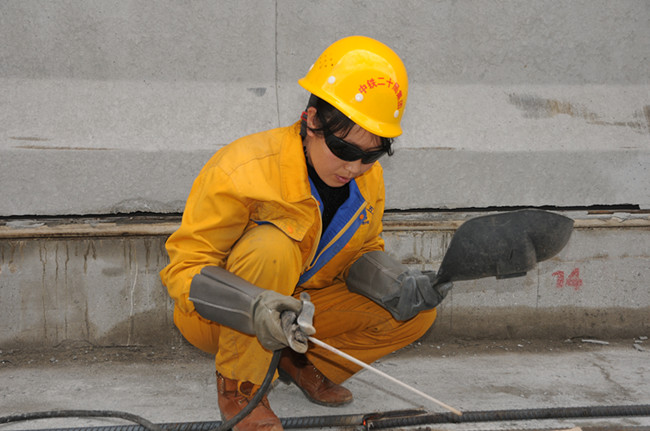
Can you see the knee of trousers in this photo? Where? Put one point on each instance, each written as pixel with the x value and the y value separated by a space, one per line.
pixel 418 326
pixel 268 258
pixel 201 333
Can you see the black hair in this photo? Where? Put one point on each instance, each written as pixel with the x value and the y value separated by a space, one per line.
pixel 334 121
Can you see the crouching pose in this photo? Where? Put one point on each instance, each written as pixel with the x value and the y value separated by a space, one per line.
pixel 299 209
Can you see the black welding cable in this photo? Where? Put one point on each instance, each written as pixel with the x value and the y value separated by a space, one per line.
pixel 52 414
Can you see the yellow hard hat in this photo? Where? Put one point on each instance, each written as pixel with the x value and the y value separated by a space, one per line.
pixel 364 79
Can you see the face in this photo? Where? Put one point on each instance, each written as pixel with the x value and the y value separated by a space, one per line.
pixel 334 171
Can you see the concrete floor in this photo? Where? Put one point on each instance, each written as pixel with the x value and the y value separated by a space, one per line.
pixel 178 385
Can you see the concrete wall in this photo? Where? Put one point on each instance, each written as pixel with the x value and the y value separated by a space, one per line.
pixel 113 106
pixel 98 282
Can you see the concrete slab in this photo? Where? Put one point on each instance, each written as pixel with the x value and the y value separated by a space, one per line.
pixel 88 147
pixel 178 384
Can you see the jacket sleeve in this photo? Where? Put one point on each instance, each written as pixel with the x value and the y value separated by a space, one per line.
pixel 215 217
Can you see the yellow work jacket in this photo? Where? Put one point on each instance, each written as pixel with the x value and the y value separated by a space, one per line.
pixel 262 178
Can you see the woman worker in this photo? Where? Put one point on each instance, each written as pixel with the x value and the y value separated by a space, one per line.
pixel 299 209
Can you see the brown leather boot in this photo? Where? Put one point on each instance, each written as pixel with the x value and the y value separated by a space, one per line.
pixel 231 401
pixel 295 367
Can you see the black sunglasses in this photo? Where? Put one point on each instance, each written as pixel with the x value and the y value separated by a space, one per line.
pixel 350 152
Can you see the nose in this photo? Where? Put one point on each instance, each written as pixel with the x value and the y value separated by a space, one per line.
pixel 355 168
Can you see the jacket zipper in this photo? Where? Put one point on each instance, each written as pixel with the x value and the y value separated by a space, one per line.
pixel 312 254
pixel 313 258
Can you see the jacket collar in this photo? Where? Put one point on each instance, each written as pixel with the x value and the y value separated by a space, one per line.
pixel 293 166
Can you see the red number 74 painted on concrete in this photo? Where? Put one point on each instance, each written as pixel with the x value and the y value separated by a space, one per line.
pixel 573 280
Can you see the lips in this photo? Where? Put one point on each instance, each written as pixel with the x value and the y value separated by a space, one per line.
pixel 342 180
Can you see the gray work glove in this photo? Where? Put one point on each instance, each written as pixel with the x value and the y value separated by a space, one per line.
pixel 277 320
pixel 434 294
pixel 267 309
pixel 404 292
pixel 416 293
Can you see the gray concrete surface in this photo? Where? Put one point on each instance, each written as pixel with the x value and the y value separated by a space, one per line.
pixel 98 282
pixel 112 107
pixel 178 385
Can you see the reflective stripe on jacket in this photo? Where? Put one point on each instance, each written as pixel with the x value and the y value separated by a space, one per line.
pixel 262 178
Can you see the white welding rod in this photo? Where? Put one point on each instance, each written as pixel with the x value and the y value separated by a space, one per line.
pixel 381 373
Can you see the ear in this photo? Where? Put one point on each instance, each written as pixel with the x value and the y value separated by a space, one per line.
pixel 312 121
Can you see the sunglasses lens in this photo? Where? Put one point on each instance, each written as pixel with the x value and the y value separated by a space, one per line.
pixel 348 152
pixel 372 157
pixel 342 149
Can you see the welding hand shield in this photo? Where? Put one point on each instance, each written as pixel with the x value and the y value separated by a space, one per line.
pixel 503 245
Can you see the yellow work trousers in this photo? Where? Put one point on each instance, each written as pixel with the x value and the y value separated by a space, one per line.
pixel 352 323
